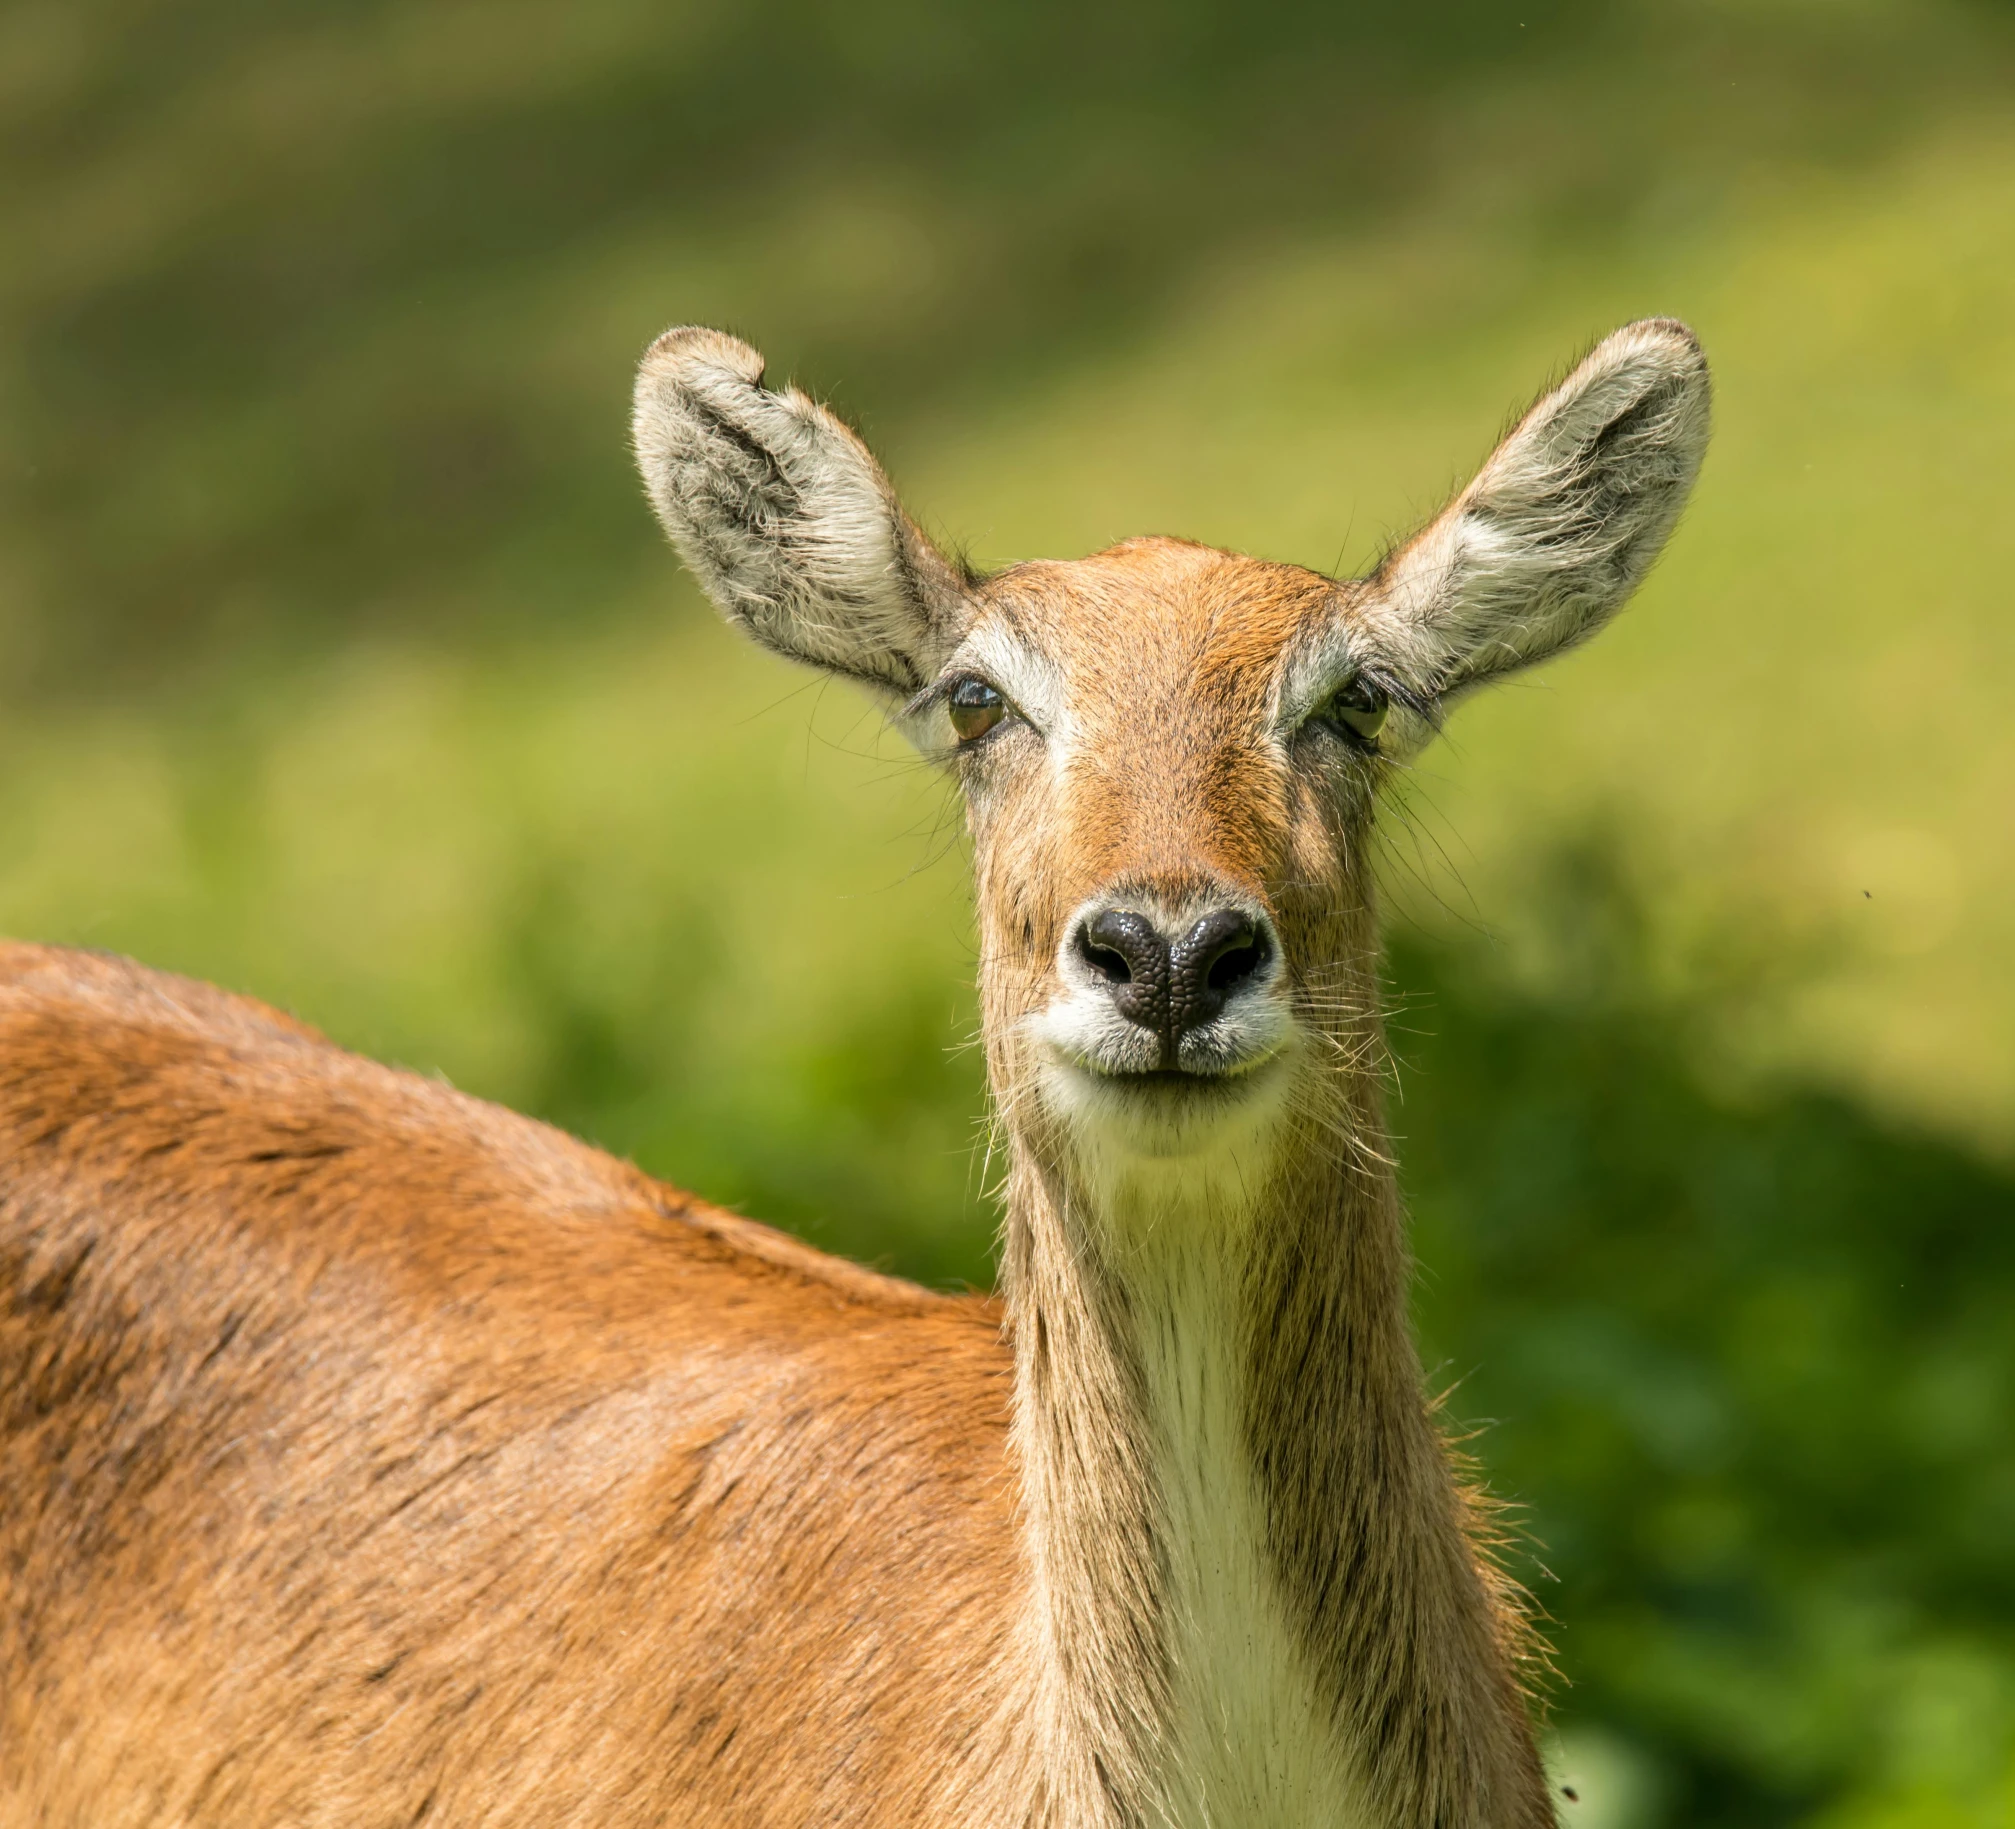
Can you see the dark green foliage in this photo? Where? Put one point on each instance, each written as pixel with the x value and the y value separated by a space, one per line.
pixel 1750 1370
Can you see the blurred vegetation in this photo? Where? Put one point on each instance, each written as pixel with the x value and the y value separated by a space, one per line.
pixel 340 663
pixel 1755 1373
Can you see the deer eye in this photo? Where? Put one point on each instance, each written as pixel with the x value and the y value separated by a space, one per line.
pixel 975 709
pixel 1356 711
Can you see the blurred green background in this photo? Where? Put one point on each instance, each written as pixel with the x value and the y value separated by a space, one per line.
pixel 340 662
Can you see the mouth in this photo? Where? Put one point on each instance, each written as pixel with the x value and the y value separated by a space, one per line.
pixel 1171 1090
pixel 1172 1081
pixel 1222 1076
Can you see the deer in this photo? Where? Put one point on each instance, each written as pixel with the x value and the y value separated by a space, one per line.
pixel 371 1455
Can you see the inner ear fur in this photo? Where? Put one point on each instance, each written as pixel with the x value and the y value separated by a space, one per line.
pixel 1558 527
pixel 786 520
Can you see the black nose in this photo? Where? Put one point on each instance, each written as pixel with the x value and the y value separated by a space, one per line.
pixel 1172 986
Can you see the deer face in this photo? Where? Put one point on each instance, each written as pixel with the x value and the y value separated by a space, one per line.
pixel 1170 754
pixel 1168 808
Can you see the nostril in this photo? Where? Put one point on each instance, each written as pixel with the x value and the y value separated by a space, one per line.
pixel 1121 945
pixel 1126 950
pixel 1221 951
pixel 1237 963
pixel 1103 960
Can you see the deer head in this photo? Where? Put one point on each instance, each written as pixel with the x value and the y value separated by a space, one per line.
pixel 1170 754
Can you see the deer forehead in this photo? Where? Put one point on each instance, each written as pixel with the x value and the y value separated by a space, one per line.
pixel 1159 676
pixel 1154 645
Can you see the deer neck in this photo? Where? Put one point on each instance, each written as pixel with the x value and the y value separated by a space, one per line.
pixel 1256 1603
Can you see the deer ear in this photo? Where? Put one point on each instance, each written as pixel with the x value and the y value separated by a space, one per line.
pixel 1558 528
pixel 786 520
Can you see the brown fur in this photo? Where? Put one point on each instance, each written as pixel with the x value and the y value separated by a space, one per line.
pixel 373 1456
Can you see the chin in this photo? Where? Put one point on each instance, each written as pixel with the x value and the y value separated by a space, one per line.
pixel 1183 1122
